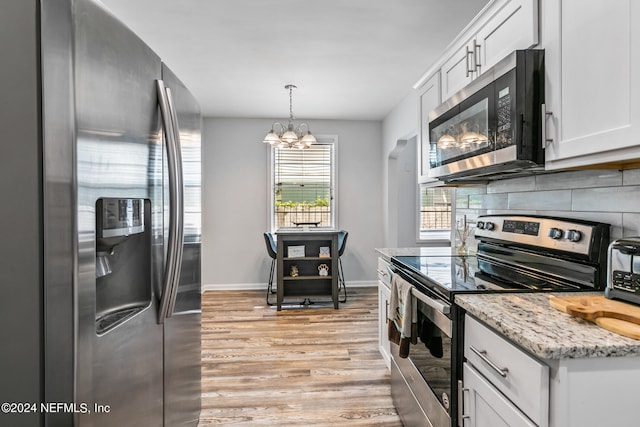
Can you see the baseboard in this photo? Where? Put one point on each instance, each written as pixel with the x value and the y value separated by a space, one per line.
pixel 263 286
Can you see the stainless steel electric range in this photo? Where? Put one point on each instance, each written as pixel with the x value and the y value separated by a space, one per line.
pixel 516 253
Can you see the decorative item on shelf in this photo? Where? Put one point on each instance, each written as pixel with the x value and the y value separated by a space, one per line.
pixel 462 231
pixel 324 252
pixel 294 271
pixel 290 137
pixel 295 251
pixel 323 270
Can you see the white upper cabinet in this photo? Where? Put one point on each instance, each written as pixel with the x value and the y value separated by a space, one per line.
pixel 509 25
pixel 457 71
pixel 428 99
pixel 592 55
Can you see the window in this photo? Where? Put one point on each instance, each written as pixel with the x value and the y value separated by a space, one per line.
pixel 302 190
pixel 435 213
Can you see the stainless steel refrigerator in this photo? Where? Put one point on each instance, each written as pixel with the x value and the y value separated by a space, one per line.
pixel 100 173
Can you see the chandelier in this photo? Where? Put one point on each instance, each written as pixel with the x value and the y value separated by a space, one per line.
pixel 290 137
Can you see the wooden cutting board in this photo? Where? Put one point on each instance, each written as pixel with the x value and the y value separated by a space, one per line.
pixel 615 316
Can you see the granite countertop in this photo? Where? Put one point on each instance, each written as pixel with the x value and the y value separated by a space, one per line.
pixel 529 320
pixel 422 251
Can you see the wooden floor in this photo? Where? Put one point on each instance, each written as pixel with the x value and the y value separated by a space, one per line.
pixel 302 366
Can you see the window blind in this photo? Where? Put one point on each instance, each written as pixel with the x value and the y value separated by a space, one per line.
pixel 303 187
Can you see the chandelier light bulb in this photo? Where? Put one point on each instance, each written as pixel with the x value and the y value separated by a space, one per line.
pixel 271 138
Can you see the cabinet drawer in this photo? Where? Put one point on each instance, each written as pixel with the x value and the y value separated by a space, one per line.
pixel 383 272
pixel 521 378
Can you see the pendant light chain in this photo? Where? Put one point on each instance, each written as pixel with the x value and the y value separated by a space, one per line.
pixel 291 103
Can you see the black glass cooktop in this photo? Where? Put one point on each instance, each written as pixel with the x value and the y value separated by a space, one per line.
pixel 449 275
pixel 445 274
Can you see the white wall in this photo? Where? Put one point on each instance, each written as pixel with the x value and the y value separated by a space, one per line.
pixel 399 130
pixel 235 199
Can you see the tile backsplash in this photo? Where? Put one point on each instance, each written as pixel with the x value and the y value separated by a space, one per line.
pixel 608 196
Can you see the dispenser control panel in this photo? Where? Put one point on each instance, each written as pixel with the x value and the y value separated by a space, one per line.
pixel 119 217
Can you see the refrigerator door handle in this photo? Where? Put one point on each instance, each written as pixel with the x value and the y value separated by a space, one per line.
pixel 176 226
pixel 180 203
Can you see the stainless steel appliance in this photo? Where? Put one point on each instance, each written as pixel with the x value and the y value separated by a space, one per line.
pixel 624 270
pixel 493 126
pixel 101 170
pixel 516 253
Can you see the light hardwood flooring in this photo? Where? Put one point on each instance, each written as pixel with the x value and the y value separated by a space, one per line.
pixel 302 366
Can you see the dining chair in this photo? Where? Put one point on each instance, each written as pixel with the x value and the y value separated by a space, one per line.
pixel 342 244
pixel 271 250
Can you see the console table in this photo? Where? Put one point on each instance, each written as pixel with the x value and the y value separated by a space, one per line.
pixel 301 249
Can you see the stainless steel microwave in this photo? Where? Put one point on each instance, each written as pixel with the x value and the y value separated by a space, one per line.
pixel 491 128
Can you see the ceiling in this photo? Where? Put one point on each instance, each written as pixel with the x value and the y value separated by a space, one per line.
pixel 351 59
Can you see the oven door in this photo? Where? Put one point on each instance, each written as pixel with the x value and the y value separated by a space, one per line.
pixel 421 384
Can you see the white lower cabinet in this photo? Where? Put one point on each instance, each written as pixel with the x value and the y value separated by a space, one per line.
pixel 384 294
pixel 485 406
pixel 595 392
pixel 503 386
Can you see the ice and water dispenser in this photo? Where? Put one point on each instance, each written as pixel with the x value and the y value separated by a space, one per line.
pixel 123 260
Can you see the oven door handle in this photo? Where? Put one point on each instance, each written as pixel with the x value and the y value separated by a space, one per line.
pixel 436 305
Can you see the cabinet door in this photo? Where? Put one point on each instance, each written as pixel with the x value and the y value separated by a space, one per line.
pixel 513 27
pixel 520 377
pixel 456 71
pixel 485 406
pixel 592 82
pixel 429 98
pixel 384 295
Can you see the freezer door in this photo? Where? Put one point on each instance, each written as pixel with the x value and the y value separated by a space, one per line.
pixel 118 155
pixel 182 356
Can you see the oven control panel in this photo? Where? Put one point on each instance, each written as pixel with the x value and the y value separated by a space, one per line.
pixel 559 234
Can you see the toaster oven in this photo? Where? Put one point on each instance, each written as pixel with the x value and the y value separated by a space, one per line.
pixel 623 278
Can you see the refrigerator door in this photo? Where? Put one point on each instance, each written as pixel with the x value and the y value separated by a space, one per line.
pixel 119 363
pixel 182 355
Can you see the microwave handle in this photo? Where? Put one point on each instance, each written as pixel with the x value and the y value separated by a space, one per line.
pixel 545 114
